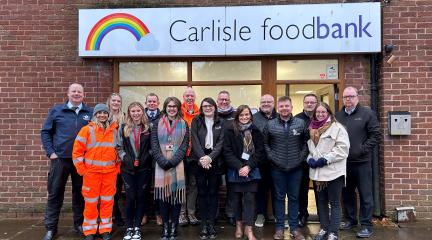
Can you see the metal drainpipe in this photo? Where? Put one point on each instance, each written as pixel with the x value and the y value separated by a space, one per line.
pixel 375 59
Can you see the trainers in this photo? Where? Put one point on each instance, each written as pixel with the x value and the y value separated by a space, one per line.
pixel 183 221
pixel 136 234
pixel 286 224
pixel 193 220
pixel 347 225
pixel 332 236
pixel 322 235
pixel 128 234
pixel 364 233
pixel 212 234
pixel 260 221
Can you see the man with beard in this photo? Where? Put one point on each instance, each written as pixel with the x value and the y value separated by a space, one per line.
pixel 285 140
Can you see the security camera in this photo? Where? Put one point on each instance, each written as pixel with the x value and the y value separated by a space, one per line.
pixel 388 48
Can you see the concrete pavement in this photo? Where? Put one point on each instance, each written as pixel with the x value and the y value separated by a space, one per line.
pixel 33 229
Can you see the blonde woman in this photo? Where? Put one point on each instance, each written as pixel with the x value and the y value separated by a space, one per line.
pixel 136 170
pixel 114 103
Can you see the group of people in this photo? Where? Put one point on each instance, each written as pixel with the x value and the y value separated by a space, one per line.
pixel 183 150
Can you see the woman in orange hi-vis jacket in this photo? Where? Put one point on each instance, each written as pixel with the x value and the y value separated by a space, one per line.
pixel 95 158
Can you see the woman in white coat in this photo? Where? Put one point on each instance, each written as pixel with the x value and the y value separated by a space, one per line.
pixel 328 152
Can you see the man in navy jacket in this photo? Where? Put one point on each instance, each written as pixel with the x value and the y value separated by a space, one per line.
pixel 364 134
pixel 58 134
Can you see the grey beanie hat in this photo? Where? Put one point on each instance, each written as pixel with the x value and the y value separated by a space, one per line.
pixel 100 107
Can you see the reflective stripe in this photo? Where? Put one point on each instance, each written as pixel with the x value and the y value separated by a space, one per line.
pixel 99 144
pixel 86 228
pixel 105 220
pixel 106 198
pixel 79 159
pixel 92 137
pixel 108 225
pixel 81 139
pixel 91 200
pixel 90 221
pixel 100 163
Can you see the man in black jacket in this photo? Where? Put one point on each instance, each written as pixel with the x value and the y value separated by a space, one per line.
pixel 58 134
pixel 260 119
pixel 309 103
pixel 364 134
pixel 285 140
pixel 226 112
pixel 153 114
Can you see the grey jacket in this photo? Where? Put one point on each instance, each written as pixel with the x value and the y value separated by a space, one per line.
pixel 286 146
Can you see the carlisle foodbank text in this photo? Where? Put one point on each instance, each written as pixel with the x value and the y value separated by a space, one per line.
pixel 317 28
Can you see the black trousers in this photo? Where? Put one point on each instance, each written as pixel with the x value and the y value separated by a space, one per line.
pixel 136 186
pixel 59 172
pixel 245 207
pixel 208 188
pixel 329 205
pixel 359 176
pixel 304 190
pixel 169 212
pixel 265 185
pixel 116 209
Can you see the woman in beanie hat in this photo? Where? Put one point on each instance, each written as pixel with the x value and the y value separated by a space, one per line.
pixel 95 158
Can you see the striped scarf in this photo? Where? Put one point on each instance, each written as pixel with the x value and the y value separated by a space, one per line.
pixel 170 184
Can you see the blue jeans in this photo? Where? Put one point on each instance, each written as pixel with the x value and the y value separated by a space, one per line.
pixel 286 183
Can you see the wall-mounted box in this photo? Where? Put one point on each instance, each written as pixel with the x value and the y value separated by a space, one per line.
pixel 399 123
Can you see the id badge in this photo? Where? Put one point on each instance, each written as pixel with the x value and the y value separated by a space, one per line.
pixel 169 147
pixel 245 156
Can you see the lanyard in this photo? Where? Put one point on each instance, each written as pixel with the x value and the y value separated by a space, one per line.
pixel 170 129
pixel 137 137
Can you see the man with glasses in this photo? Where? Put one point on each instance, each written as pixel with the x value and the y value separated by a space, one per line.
pixel 364 134
pixel 266 113
pixel 227 113
pixel 309 103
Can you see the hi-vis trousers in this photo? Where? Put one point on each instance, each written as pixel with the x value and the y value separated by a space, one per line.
pixel 98 186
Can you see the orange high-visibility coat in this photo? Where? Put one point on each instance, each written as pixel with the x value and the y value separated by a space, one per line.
pixel 187 116
pixel 95 158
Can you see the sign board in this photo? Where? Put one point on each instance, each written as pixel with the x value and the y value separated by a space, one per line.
pixel 231 31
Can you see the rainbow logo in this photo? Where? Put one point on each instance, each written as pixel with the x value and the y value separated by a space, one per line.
pixel 112 22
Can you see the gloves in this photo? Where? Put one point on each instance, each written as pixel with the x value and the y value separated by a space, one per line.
pixel 312 163
pixel 321 162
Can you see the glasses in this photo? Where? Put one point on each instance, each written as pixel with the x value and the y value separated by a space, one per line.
pixel 224 100
pixel 349 96
pixel 266 102
pixel 310 103
pixel 207 106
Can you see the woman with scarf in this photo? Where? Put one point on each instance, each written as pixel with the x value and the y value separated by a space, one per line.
pixel 170 141
pixel 243 148
pixel 207 143
pixel 328 152
pixel 136 169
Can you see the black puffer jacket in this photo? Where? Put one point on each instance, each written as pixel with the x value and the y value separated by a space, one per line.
pixel 260 119
pixel 286 149
pixel 363 130
pixel 233 148
pixel 199 133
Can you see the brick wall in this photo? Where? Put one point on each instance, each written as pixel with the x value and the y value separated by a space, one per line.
pixel 407 86
pixel 39 59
